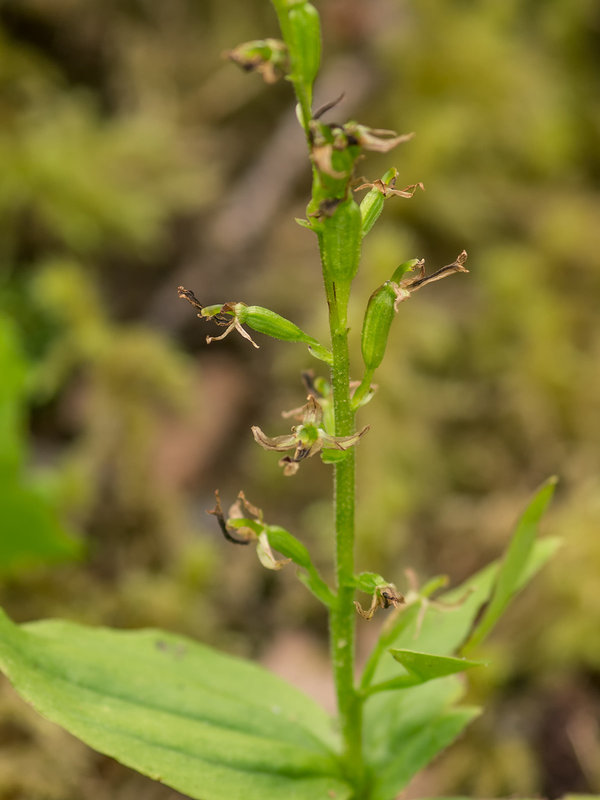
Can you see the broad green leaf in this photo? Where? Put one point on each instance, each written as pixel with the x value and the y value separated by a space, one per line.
pixel 513 564
pixel 211 726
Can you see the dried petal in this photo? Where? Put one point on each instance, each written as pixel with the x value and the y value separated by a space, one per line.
pixel 266 556
pixel 321 156
pixel 413 284
pixel 313 413
pixel 290 467
pixel 279 443
pixel 230 534
pixel 265 56
pixel 343 442
pixel 379 140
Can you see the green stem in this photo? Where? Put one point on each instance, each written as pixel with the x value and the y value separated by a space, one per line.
pixel 342 614
pixel 399 622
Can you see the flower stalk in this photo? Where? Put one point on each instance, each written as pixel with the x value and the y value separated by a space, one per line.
pixel 326 423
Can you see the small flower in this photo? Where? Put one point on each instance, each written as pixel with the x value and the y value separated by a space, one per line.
pixel 306 439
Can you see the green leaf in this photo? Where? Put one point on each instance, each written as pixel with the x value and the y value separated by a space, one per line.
pixel 513 564
pixel 420 748
pixel 404 735
pixel 423 667
pixel 405 730
pixel 209 725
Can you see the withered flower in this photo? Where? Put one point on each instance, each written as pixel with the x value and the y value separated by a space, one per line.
pixel 389 189
pixel 306 439
pixel 244 524
pixel 413 284
pixel 321 155
pixel 379 140
pixel 268 57
pixel 383 597
pixel 228 315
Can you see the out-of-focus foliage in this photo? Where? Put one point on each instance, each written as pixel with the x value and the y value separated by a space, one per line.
pixel 124 136
pixel 30 529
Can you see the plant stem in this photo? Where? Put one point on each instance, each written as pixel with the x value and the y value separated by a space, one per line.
pixel 342 614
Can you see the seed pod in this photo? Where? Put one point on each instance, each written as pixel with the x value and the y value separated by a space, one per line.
pixel 378 318
pixel 304 43
pixel 263 320
pixel 339 240
pixel 372 203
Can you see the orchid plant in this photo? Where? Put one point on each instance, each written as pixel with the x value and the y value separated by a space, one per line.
pixel 218 728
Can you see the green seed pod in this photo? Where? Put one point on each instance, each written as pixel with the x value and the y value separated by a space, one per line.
pixel 376 325
pixel 304 44
pixel 211 311
pixel 370 209
pixel 263 320
pixel 339 240
pixel 378 318
pixel 372 204
pixel 401 271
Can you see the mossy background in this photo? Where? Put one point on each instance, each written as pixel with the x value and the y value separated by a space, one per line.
pixel 134 158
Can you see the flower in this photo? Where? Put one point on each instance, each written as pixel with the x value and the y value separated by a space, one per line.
pixel 306 439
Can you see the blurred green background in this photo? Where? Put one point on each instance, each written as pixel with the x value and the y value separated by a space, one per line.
pixel 134 158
